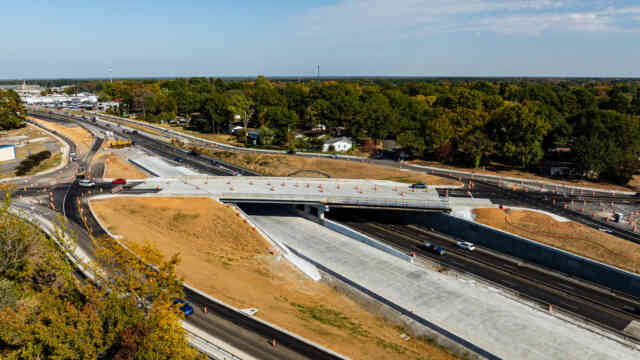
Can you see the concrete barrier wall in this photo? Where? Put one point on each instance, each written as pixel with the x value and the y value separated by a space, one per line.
pixel 562 261
pixel 346 231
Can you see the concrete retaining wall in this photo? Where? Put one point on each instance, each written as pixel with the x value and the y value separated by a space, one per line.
pixel 529 250
pixel 346 231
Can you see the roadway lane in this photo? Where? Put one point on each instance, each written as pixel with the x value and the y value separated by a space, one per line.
pixel 542 285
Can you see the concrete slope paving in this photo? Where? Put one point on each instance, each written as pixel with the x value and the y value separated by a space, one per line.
pixel 474 312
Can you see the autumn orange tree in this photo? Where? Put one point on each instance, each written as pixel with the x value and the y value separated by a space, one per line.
pixel 47 312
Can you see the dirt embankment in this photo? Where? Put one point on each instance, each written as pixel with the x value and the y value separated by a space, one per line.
pixel 81 137
pixel 501 170
pixel 569 236
pixel 117 167
pixel 224 257
pixel 283 165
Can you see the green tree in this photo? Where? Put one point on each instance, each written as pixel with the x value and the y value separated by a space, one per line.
pixel 477 147
pixel 282 120
pixel 518 130
pixel 378 117
pixel 606 144
pixel 635 103
pixel 240 104
pixel 216 111
pixel 11 110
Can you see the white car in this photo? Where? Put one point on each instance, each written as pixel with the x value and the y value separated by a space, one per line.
pixel 466 245
pixel 86 183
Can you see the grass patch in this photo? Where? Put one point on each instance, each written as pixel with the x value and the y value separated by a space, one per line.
pixel 46 164
pixel 330 317
pixel 391 346
pixel 181 217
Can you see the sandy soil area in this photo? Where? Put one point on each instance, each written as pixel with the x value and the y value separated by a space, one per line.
pixel 81 137
pixel 283 165
pixel 224 257
pixel 117 167
pixel 569 236
pixel 633 185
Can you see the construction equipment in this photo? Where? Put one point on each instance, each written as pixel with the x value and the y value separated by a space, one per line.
pixel 119 144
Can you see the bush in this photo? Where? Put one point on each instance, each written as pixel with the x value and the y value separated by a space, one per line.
pixel 32 161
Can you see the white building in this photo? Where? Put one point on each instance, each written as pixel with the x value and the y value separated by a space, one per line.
pixel 341 144
pixel 107 105
pixel 7 152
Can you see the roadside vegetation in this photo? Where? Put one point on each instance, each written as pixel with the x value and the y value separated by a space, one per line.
pixel 569 236
pixel 11 110
pixel 224 257
pixel 31 162
pixel 46 312
pixel 590 126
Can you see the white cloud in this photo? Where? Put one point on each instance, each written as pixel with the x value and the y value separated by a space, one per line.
pixel 372 21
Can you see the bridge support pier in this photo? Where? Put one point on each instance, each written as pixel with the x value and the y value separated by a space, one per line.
pixel 315 210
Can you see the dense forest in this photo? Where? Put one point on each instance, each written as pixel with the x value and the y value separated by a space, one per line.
pixel 521 123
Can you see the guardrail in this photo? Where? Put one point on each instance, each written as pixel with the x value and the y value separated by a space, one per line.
pixel 338 200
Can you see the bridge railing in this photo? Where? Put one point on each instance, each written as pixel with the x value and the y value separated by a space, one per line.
pixel 343 200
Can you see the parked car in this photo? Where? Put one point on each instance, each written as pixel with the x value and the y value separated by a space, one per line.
pixel 291 152
pixel 434 248
pixel 466 245
pixel 119 181
pixel 194 152
pixel 418 186
pixel 86 183
pixel 184 307
pixel 178 159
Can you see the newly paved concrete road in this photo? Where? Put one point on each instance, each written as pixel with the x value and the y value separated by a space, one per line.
pixel 474 312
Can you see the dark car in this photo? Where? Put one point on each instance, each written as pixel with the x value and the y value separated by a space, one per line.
pixel 194 152
pixel 119 181
pixel 434 248
pixel 418 186
pixel 291 152
pixel 184 307
pixel 178 159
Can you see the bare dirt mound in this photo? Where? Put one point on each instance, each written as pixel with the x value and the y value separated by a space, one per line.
pixel 570 236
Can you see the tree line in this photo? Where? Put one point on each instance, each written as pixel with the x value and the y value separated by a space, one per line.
pixel 464 122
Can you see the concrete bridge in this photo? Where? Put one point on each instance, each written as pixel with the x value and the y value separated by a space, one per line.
pixel 301 191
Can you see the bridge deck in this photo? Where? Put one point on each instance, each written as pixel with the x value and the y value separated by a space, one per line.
pixel 300 190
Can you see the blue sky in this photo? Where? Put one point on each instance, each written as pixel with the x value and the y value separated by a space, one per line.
pixel 346 37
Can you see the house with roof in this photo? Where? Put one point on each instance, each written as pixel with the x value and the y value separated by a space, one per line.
pixel 7 152
pixel 339 144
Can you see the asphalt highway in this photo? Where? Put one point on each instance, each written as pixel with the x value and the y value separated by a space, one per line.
pixel 611 311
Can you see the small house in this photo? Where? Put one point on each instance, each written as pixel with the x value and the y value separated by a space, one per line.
pixel 341 144
pixel 7 152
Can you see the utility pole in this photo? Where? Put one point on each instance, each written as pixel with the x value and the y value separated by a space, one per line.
pixel 111 75
pixel 318 72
